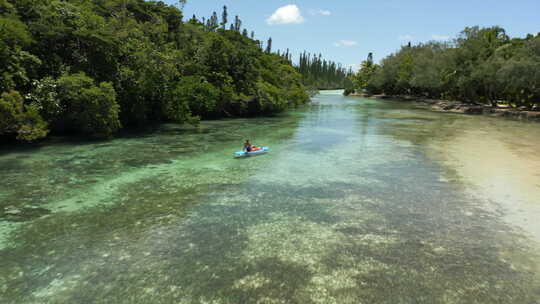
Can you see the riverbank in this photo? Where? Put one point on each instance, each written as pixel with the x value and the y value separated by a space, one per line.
pixel 460 107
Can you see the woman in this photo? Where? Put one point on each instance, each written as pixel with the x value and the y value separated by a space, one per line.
pixel 248 147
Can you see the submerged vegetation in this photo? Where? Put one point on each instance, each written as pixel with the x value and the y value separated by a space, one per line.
pixel 93 67
pixel 167 218
pixel 483 65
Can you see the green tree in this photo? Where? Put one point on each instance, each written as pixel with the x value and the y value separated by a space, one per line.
pixel 45 98
pixel 224 17
pixel 319 73
pixel 16 64
pixel 269 45
pixel 237 23
pixel 90 67
pixel 89 108
pixel 362 78
pixel 19 120
pixel 483 65
pixel 193 95
pixel 521 82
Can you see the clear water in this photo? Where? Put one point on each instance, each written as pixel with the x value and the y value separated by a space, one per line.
pixel 352 205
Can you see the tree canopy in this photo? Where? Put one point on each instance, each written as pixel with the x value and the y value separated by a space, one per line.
pixel 92 67
pixel 321 73
pixel 482 65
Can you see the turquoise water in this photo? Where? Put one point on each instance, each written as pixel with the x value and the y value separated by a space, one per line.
pixel 348 207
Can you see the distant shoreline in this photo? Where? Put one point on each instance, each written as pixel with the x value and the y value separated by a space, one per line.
pixel 460 107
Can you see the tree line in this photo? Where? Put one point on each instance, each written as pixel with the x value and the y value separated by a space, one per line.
pixel 481 66
pixel 92 67
pixel 317 73
pixel 321 73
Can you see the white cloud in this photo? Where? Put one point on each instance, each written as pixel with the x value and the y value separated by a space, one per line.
pixel 346 43
pixel 440 37
pixel 320 12
pixel 406 38
pixel 288 14
pixel 325 12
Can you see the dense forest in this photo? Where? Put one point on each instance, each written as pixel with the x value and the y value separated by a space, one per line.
pixel 482 66
pixel 322 74
pixel 317 72
pixel 92 67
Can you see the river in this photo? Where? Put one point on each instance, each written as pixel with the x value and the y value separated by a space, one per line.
pixel 358 201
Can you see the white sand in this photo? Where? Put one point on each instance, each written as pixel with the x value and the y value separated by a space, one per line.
pixel 502 168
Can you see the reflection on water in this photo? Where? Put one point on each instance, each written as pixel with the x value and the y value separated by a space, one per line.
pixel 353 205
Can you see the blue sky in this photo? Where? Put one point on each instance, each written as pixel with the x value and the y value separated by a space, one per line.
pixel 346 30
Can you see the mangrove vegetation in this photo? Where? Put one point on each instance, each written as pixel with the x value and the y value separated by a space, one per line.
pixel 92 67
pixel 482 66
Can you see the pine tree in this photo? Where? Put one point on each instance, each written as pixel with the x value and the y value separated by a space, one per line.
pixel 245 33
pixel 237 23
pixel 224 16
pixel 269 46
pixel 214 22
pixel 321 73
pixel 252 35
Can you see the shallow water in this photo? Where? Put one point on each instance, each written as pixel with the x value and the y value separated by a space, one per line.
pixel 359 201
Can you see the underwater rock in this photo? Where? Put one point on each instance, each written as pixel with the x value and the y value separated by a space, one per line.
pixel 12 211
pixel 14 214
pixel 474 110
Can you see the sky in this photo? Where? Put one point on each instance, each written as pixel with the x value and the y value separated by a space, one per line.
pixel 345 31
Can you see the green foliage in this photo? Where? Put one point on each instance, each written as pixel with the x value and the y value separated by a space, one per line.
pixel 14 32
pixel 6 8
pixel 11 108
pixel 90 67
pixel 197 95
pixel 45 98
pixel 297 96
pixel 320 73
pixel 520 80
pixel 483 65
pixel 269 98
pixel 15 63
pixel 32 126
pixel 361 80
pixel 89 108
pixel 17 119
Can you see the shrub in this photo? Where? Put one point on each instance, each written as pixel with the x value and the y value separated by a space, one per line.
pixel 88 108
pixel 19 120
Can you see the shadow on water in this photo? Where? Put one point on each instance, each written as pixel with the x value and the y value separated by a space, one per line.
pixel 391 252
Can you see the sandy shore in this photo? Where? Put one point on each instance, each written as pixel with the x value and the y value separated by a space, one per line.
pixel 500 169
pixel 461 107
